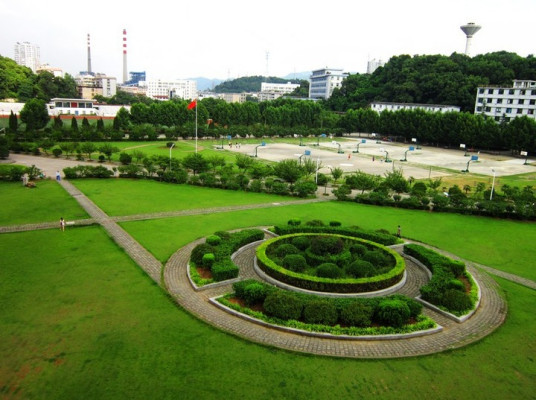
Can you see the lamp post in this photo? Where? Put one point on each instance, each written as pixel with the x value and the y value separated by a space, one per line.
pixel 492 186
pixel 170 147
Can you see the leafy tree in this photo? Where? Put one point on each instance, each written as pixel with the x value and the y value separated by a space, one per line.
pixel 244 161
pixel 13 123
pixel 336 173
pixel 395 181
pixel 196 162
pixel 288 170
pixel 88 148
pixel 34 114
pixel 107 149
pixel 362 181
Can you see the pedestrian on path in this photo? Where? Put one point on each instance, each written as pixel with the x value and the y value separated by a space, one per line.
pixel 58 176
pixel 398 232
pixel 62 224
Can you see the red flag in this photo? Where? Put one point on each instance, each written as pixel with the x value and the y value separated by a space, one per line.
pixel 193 104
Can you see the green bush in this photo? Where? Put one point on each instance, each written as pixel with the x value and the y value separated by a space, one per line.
pixel 213 240
pixel 315 222
pixel 322 245
pixel 125 158
pixel 334 223
pixel 358 250
pixel 283 305
pixel 295 262
pixel 223 234
pixel 255 293
pixel 329 270
pixel 456 284
pixel 393 312
pixel 207 260
pixel 455 300
pixel 320 312
pixel 240 287
pixel 360 269
pixel 12 173
pixel 301 242
pixel 57 152
pixel 286 249
pixel 199 251
pixel 356 313
pixel 223 270
pixel 294 221
pixel 376 258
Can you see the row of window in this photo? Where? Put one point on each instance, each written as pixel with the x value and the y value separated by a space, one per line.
pixel 520 92
pixel 508 101
pixel 69 104
pixel 499 110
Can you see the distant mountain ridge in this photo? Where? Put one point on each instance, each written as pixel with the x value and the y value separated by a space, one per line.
pixel 246 83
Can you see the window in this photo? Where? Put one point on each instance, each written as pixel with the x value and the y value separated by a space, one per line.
pixel 521 101
pixel 499 101
pixel 522 92
pixel 519 110
pixel 490 91
pixel 479 108
pixel 501 91
pixel 479 99
pixel 481 91
pixel 533 92
pixel 510 101
pixel 532 102
pixel 511 91
pixel 530 112
pixel 498 109
pixel 508 111
pixel 488 109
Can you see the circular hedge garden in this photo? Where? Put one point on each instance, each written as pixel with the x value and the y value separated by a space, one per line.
pixel 330 263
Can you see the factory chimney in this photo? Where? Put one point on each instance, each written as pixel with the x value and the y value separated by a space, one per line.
pixel 88 55
pixel 125 74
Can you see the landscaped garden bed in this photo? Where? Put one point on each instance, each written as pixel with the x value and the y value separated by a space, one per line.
pixel 396 314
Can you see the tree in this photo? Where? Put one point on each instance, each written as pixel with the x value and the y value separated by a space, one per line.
pixel 34 114
pixel 362 181
pixel 336 173
pixel 107 149
pixel 13 123
pixel 243 161
pixel 196 162
pixel 88 148
pixel 395 180
pixel 74 125
pixel 138 155
pixel 100 125
pixel 288 170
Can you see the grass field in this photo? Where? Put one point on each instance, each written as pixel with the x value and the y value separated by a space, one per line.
pixel 45 203
pixel 80 320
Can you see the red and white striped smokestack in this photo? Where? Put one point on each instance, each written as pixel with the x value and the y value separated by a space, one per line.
pixel 125 74
pixel 88 54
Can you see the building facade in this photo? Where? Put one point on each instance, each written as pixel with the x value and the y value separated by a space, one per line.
pixel 380 106
pixel 91 85
pixel 27 54
pixel 506 103
pixel 323 81
pixel 373 65
pixel 164 90
pixel 57 72
pixel 75 107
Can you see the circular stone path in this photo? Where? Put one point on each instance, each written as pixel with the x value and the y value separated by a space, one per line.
pixel 489 315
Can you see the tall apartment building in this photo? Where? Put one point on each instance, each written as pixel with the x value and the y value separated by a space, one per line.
pixel 323 81
pixel 505 103
pixel 96 84
pixel 373 65
pixel 27 54
pixel 165 90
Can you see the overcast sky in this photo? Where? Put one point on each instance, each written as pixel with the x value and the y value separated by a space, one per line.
pixel 228 39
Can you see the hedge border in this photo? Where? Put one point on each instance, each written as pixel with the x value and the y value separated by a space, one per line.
pixel 360 285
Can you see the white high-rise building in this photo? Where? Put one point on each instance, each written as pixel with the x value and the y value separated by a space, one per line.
pixel 373 65
pixel 504 103
pixel 164 90
pixel 323 81
pixel 27 54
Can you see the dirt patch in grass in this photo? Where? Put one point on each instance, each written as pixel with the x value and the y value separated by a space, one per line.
pixel 204 273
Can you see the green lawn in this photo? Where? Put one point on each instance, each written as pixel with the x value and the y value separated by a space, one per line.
pixel 45 203
pixel 80 320
pixel 502 244
pixel 126 196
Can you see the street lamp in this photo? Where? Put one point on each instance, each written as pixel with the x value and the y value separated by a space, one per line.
pixel 492 186
pixel 170 147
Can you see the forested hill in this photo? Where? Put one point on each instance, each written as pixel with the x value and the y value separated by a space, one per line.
pixel 248 84
pixel 432 79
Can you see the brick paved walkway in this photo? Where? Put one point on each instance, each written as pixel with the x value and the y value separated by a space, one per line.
pixel 489 316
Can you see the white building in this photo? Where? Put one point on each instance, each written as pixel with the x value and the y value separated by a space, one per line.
pixel 323 81
pixel 164 90
pixel 380 106
pixel 373 65
pixel 57 72
pixel 60 106
pixel 90 85
pixel 27 54
pixel 505 103
pixel 272 91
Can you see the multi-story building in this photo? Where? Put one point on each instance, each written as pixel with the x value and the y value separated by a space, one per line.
pixel 272 91
pixel 27 54
pixel 323 81
pixel 380 106
pixel 90 85
pixel 135 78
pixel 57 72
pixel 75 107
pixel 505 103
pixel 373 65
pixel 164 90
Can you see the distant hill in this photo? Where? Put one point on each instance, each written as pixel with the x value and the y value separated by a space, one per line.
pixel 248 84
pixel 206 83
pixel 305 75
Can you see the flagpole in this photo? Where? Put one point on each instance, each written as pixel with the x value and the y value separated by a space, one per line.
pixel 195 126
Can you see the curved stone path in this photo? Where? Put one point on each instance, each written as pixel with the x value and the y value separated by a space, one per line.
pixel 488 317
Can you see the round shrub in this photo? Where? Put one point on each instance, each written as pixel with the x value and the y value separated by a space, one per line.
pixel 393 312
pixel 301 242
pixel 283 305
pixel 328 270
pixel 454 300
pixel 207 260
pixel 294 221
pixel 456 284
pixel 213 240
pixel 315 222
pixel 322 245
pixel 358 250
pixel 376 258
pixel 223 234
pixel 361 269
pixel 295 262
pixel 320 312
pixel 255 293
pixel 125 158
pixel 286 249
pixel 199 251
pixel 334 223
pixel 357 313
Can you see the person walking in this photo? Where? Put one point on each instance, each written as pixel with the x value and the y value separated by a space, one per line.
pixel 58 176
pixel 62 224
pixel 398 231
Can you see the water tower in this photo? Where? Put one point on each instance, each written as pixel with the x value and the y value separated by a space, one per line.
pixel 470 29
